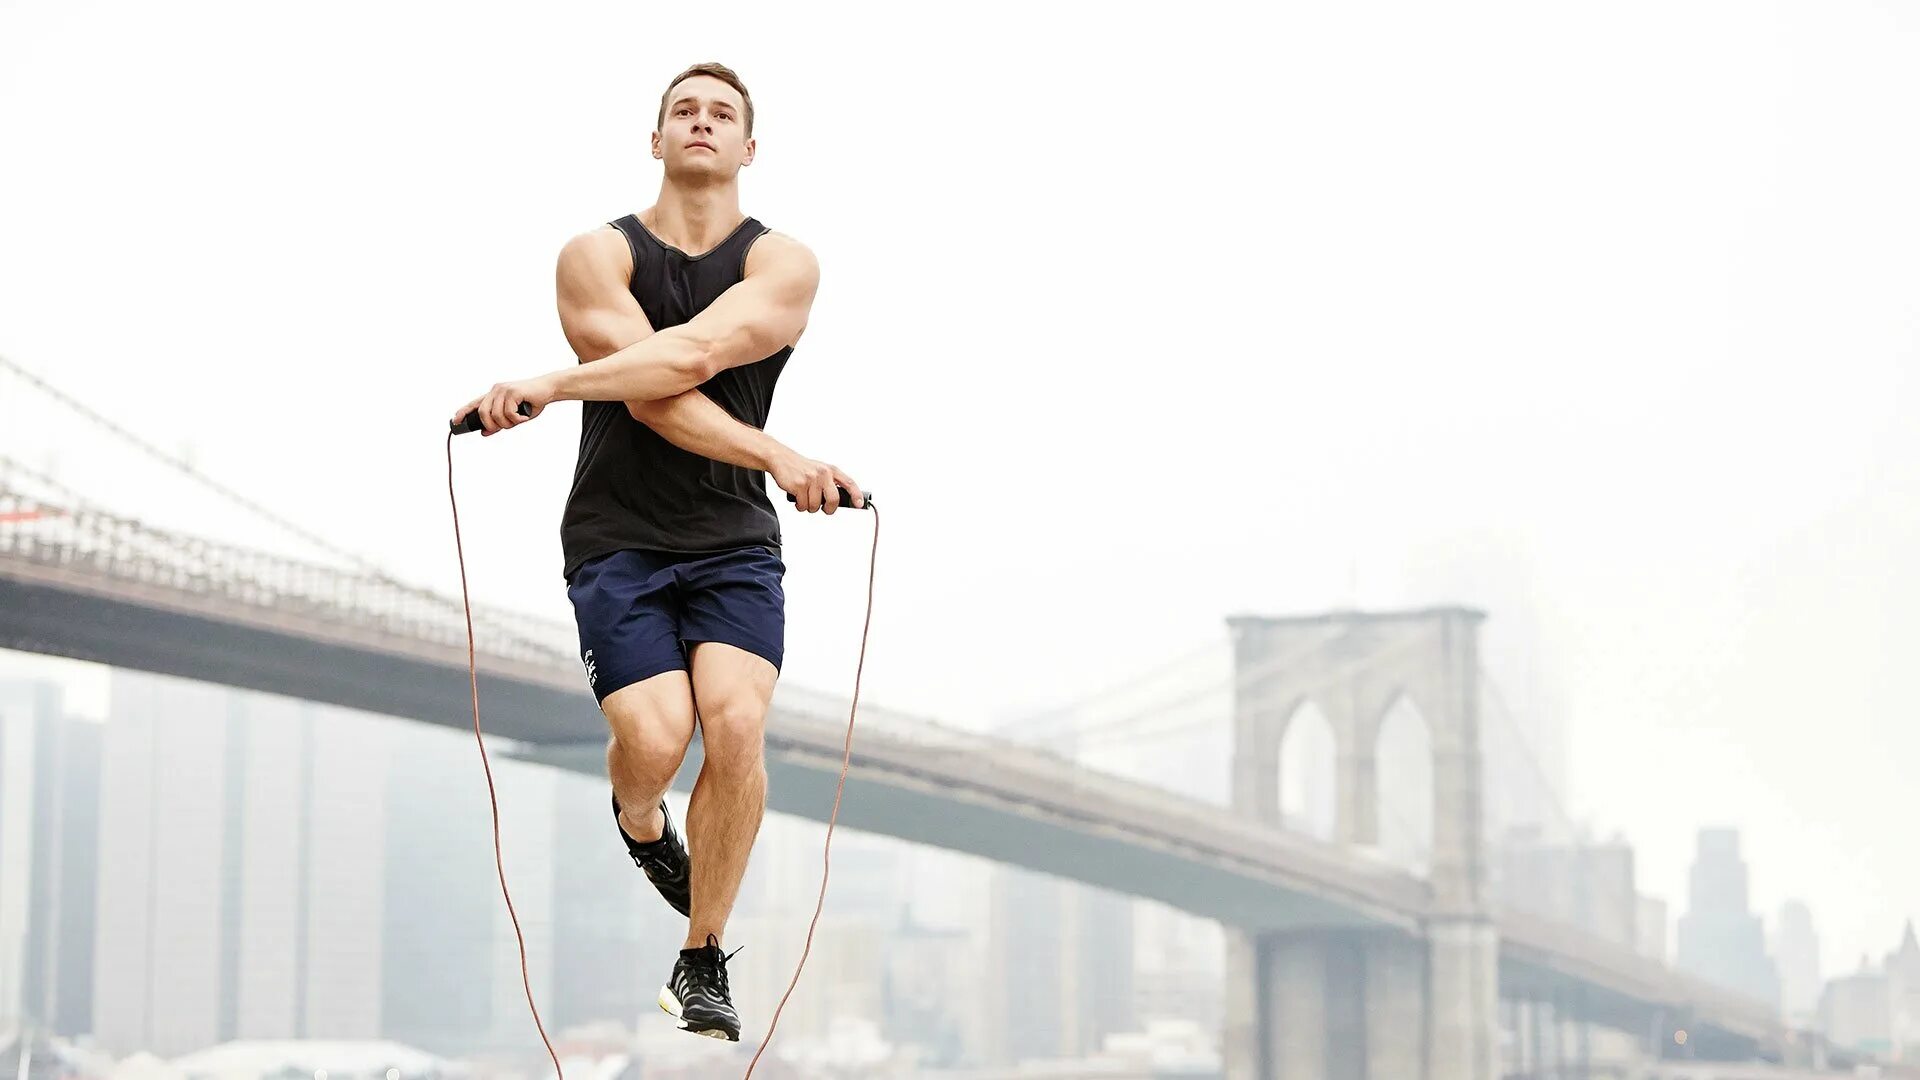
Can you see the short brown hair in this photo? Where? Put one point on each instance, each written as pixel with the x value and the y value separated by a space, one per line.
pixel 719 71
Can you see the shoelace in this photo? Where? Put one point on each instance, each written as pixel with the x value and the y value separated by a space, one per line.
pixel 656 866
pixel 709 969
pixel 657 862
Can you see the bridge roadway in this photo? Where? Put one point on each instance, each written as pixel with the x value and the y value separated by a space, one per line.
pixel 909 779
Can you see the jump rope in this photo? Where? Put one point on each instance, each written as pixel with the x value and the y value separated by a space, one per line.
pixel 471 422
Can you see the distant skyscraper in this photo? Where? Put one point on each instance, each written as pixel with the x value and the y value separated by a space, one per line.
pixel 450 979
pixel 526 838
pixel 1877 1011
pixel 1180 961
pixel 344 832
pixel 1101 966
pixel 436 982
pixel 1062 966
pixel 1650 930
pixel 931 977
pixel 1854 1011
pixel 49 830
pixel 613 936
pixel 600 940
pixel 1720 940
pixel 1903 991
pixel 1026 979
pixel 162 931
pixel 1586 886
pixel 239 892
pixel 1796 953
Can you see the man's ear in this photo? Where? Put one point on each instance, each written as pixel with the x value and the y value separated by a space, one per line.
pixel 751 147
pixel 656 146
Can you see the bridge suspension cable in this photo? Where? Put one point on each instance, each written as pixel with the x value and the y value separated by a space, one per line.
pixel 1107 729
pixel 1053 718
pixel 1491 689
pixel 174 461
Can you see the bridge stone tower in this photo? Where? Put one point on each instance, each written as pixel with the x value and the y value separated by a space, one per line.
pixel 1346 1003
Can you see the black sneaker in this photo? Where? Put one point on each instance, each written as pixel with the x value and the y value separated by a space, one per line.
pixel 664 860
pixel 697 995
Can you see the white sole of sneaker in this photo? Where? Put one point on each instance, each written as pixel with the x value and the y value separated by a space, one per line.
pixel 670 1004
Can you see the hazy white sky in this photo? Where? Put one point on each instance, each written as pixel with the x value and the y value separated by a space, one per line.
pixel 1599 316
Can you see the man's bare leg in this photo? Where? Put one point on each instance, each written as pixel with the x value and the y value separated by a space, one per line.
pixel 652 725
pixel 732 689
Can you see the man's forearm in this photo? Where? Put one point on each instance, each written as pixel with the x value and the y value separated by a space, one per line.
pixel 694 423
pixel 689 419
pixel 657 366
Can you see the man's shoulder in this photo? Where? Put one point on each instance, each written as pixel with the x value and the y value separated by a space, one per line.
pixel 600 250
pixel 782 253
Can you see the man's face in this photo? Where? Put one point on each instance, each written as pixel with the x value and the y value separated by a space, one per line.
pixel 704 133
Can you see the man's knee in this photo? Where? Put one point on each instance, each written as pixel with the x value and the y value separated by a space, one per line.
pixel 651 730
pixel 733 733
pixel 646 756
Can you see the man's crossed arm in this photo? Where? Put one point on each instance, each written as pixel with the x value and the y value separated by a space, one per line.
pixel 622 358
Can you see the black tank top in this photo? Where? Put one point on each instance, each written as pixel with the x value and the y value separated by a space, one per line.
pixel 634 489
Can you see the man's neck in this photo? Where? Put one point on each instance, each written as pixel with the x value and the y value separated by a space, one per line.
pixel 695 220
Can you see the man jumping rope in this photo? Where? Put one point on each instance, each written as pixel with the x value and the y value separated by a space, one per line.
pixel 683 317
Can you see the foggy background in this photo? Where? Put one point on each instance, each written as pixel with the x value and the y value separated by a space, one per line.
pixel 1597 317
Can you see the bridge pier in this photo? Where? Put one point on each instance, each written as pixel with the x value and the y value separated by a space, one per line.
pixel 1343 1004
pixel 1464 991
pixel 1326 1005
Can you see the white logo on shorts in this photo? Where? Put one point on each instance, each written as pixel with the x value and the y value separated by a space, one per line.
pixel 592 676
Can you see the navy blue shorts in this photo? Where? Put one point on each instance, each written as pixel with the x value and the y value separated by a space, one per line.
pixel 640 613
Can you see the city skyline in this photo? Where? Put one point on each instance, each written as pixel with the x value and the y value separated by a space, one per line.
pixel 83 687
pixel 411 943
pixel 242 731
pixel 1595 321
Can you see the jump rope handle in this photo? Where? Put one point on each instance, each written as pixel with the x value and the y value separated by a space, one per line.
pixel 471 421
pixel 846 498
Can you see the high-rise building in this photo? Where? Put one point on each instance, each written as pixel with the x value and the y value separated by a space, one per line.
pixel 441 897
pixel 239 892
pixel 163 826
pixel 346 818
pixel 1025 975
pixel 1061 966
pixel 1854 1011
pixel 614 938
pixel 845 969
pixel 1586 886
pixel 1650 930
pixel 1877 1010
pixel 1720 939
pixel 526 795
pixel 932 976
pixel 272 869
pixel 49 830
pixel 1100 998
pixel 1796 953
pixel 1903 994
pixel 1582 885
pixel 1179 965
pixel 450 979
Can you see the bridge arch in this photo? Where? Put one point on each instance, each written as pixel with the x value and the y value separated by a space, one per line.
pixel 1307 760
pixel 1403 762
